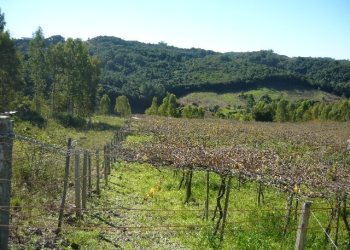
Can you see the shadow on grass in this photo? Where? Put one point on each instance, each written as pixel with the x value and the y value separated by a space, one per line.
pixel 80 123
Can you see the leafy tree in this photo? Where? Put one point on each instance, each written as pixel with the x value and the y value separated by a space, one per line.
pixel 2 22
pixel 153 109
pixel 325 111
pixel 172 106
pixel 263 112
pixel 282 111
pixel 163 108
pixel 122 106
pixel 105 105
pixel 265 98
pixel 187 111
pixel 301 111
pixel 75 75
pixel 250 103
pixel 11 81
pixel 38 68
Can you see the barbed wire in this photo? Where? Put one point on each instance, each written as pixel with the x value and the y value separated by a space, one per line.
pixel 328 236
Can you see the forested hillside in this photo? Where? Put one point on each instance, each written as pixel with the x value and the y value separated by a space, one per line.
pixel 143 70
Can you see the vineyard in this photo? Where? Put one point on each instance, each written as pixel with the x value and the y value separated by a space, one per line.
pixel 163 183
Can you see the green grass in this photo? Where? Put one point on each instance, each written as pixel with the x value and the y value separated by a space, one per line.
pixel 248 227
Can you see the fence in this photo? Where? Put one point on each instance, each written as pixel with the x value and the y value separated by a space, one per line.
pixel 54 169
pixel 72 176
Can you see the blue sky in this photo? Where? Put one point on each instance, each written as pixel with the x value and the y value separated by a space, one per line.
pixel 317 28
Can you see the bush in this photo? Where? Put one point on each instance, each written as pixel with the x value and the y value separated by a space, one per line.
pixel 68 120
pixel 24 113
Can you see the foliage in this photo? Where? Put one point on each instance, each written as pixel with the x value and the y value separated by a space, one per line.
pixel 105 105
pixel 122 106
pixel 153 109
pixel 132 67
pixel 190 111
pixel 68 120
pixel 11 81
pixel 24 113
pixel 142 71
pixel 75 75
pixel 2 22
pixel 38 68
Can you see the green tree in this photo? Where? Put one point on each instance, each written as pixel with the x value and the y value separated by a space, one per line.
pixel 38 68
pixel 153 109
pixel 2 22
pixel 187 111
pixel 250 103
pixel 105 105
pixel 122 106
pixel 263 112
pixel 301 111
pixel 282 111
pixel 75 75
pixel 163 108
pixel 11 81
pixel 172 106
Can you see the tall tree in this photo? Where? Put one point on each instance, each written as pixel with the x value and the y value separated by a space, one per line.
pixel 10 69
pixel 282 111
pixel 172 106
pixel 105 105
pixel 75 76
pixel 153 109
pixel 122 106
pixel 2 21
pixel 38 68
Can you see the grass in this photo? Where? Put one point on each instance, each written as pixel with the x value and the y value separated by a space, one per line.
pixel 248 227
pixel 103 128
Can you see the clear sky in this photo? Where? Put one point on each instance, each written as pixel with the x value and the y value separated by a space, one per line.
pixel 317 28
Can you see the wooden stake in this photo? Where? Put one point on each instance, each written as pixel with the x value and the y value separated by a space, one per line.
pixel 77 185
pixel 206 210
pixel 97 173
pixel 189 187
pixel 105 165
pixel 302 228
pixel 227 199
pixel 289 212
pixel 65 186
pixel 84 189
pixel 89 174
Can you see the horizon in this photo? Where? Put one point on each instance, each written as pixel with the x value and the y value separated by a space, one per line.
pixel 295 29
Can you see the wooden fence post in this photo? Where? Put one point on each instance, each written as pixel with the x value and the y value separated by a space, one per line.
pixel 105 164
pixel 302 228
pixel 97 173
pixel 77 185
pixel 89 174
pixel 6 143
pixel 227 199
pixel 206 209
pixel 84 189
pixel 65 186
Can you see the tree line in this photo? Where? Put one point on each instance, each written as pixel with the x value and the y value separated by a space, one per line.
pixel 282 110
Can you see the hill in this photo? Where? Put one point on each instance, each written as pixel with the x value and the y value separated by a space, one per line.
pixel 124 62
pixel 141 70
